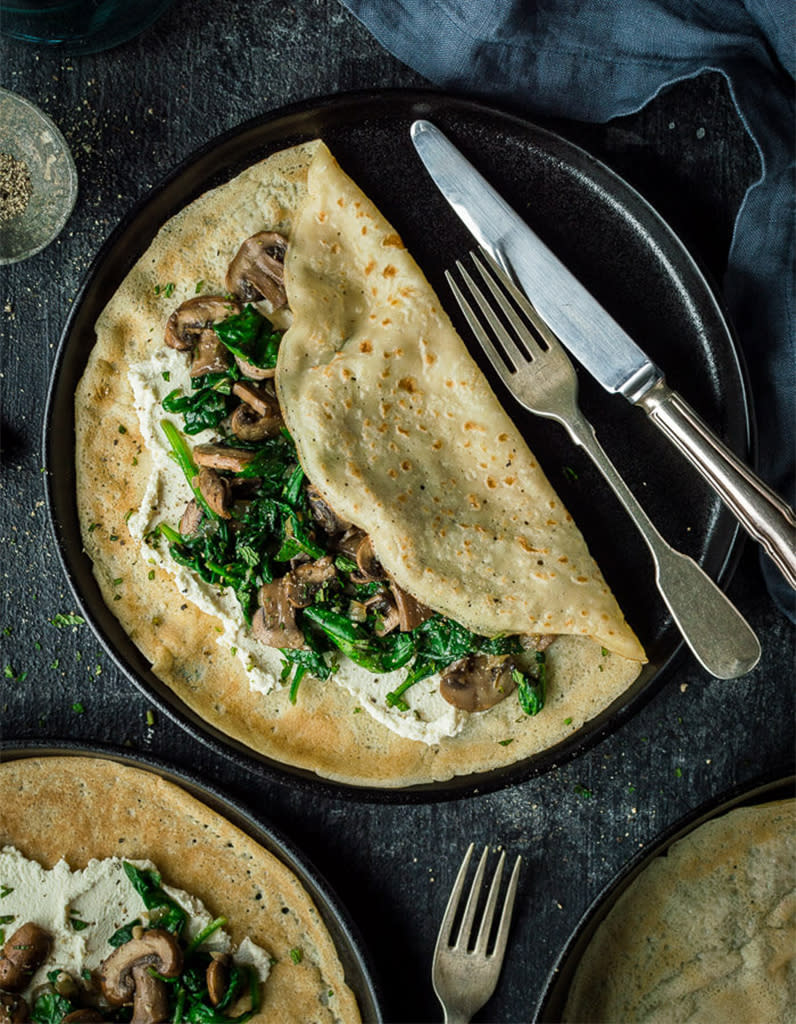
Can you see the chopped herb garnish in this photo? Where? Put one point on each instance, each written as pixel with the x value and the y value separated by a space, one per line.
pixel 296 955
pixel 78 708
pixel 580 790
pixel 67 620
pixel 5 890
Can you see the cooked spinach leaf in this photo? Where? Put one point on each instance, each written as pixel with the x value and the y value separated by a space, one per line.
pixel 251 336
pixel 164 911
pixel 209 402
pixel 532 689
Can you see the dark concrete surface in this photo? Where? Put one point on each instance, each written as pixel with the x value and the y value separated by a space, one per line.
pixel 130 115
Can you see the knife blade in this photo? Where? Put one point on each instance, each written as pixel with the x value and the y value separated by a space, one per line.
pixel 597 341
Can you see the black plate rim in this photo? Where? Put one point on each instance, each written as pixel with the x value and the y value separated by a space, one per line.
pixel 333 911
pixel 416 103
pixel 764 787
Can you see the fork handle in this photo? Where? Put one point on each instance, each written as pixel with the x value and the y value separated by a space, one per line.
pixel 719 637
pixel 758 508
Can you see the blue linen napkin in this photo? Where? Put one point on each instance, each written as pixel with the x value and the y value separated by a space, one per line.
pixel 592 60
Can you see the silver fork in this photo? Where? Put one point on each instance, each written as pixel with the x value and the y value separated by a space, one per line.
pixel 463 977
pixel 543 380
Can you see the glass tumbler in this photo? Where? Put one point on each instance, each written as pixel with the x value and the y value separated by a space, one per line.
pixel 78 26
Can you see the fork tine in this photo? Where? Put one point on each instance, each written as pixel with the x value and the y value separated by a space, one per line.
pixel 489 909
pixel 515 356
pixel 505 917
pixel 496 359
pixel 446 926
pixel 499 295
pixel 463 938
pixel 519 297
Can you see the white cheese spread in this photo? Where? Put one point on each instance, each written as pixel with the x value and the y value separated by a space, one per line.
pixel 429 718
pixel 82 909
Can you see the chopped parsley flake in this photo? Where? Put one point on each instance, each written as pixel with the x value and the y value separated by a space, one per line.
pixel 67 620
pixel 296 955
pixel 580 790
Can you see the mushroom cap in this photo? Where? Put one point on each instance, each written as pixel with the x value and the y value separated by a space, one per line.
pixel 477 682
pixel 257 269
pixel 155 948
pixel 195 316
pixel 24 951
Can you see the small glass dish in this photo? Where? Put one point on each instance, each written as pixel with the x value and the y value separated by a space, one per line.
pixel 30 139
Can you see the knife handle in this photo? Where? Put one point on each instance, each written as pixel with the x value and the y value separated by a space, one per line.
pixel 764 515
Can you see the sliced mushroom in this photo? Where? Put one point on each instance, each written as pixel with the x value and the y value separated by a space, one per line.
pixel 274 622
pixel 191 518
pixel 13 1008
pixel 210 355
pixel 217 456
pixel 257 270
pixel 85 1015
pixel 477 682
pixel 248 425
pixel 217 977
pixel 323 513
pixel 254 372
pixel 215 490
pixel 370 568
pixel 410 611
pixel 260 397
pixel 195 317
pixel 23 953
pixel 387 611
pixel 304 581
pixel 349 543
pixel 151 1001
pixel 125 976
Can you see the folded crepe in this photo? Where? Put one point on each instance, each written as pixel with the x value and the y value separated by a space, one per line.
pixel 399 430
pixel 80 808
pixel 706 932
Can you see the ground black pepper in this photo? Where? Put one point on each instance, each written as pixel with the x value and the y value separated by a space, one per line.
pixel 15 187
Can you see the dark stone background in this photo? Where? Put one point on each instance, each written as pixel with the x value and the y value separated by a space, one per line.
pixel 130 115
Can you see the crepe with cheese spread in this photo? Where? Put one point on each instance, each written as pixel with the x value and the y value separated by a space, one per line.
pixel 398 430
pixel 81 808
pixel 706 932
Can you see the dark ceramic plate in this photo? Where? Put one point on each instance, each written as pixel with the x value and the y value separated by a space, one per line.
pixel 343 932
pixel 550 1009
pixel 608 235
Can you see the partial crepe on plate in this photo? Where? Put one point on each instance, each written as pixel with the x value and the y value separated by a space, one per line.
pixel 405 447
pixel 78 809
pixel 706 932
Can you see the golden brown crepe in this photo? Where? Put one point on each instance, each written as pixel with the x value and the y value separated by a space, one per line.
pixel 706 933
pixel 79 808
pixel 399 429
pixel 419 453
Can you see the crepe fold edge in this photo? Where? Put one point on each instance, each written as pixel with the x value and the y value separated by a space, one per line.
pixel 397 426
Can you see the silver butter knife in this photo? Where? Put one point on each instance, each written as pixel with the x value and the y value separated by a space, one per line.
pixel 602 346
